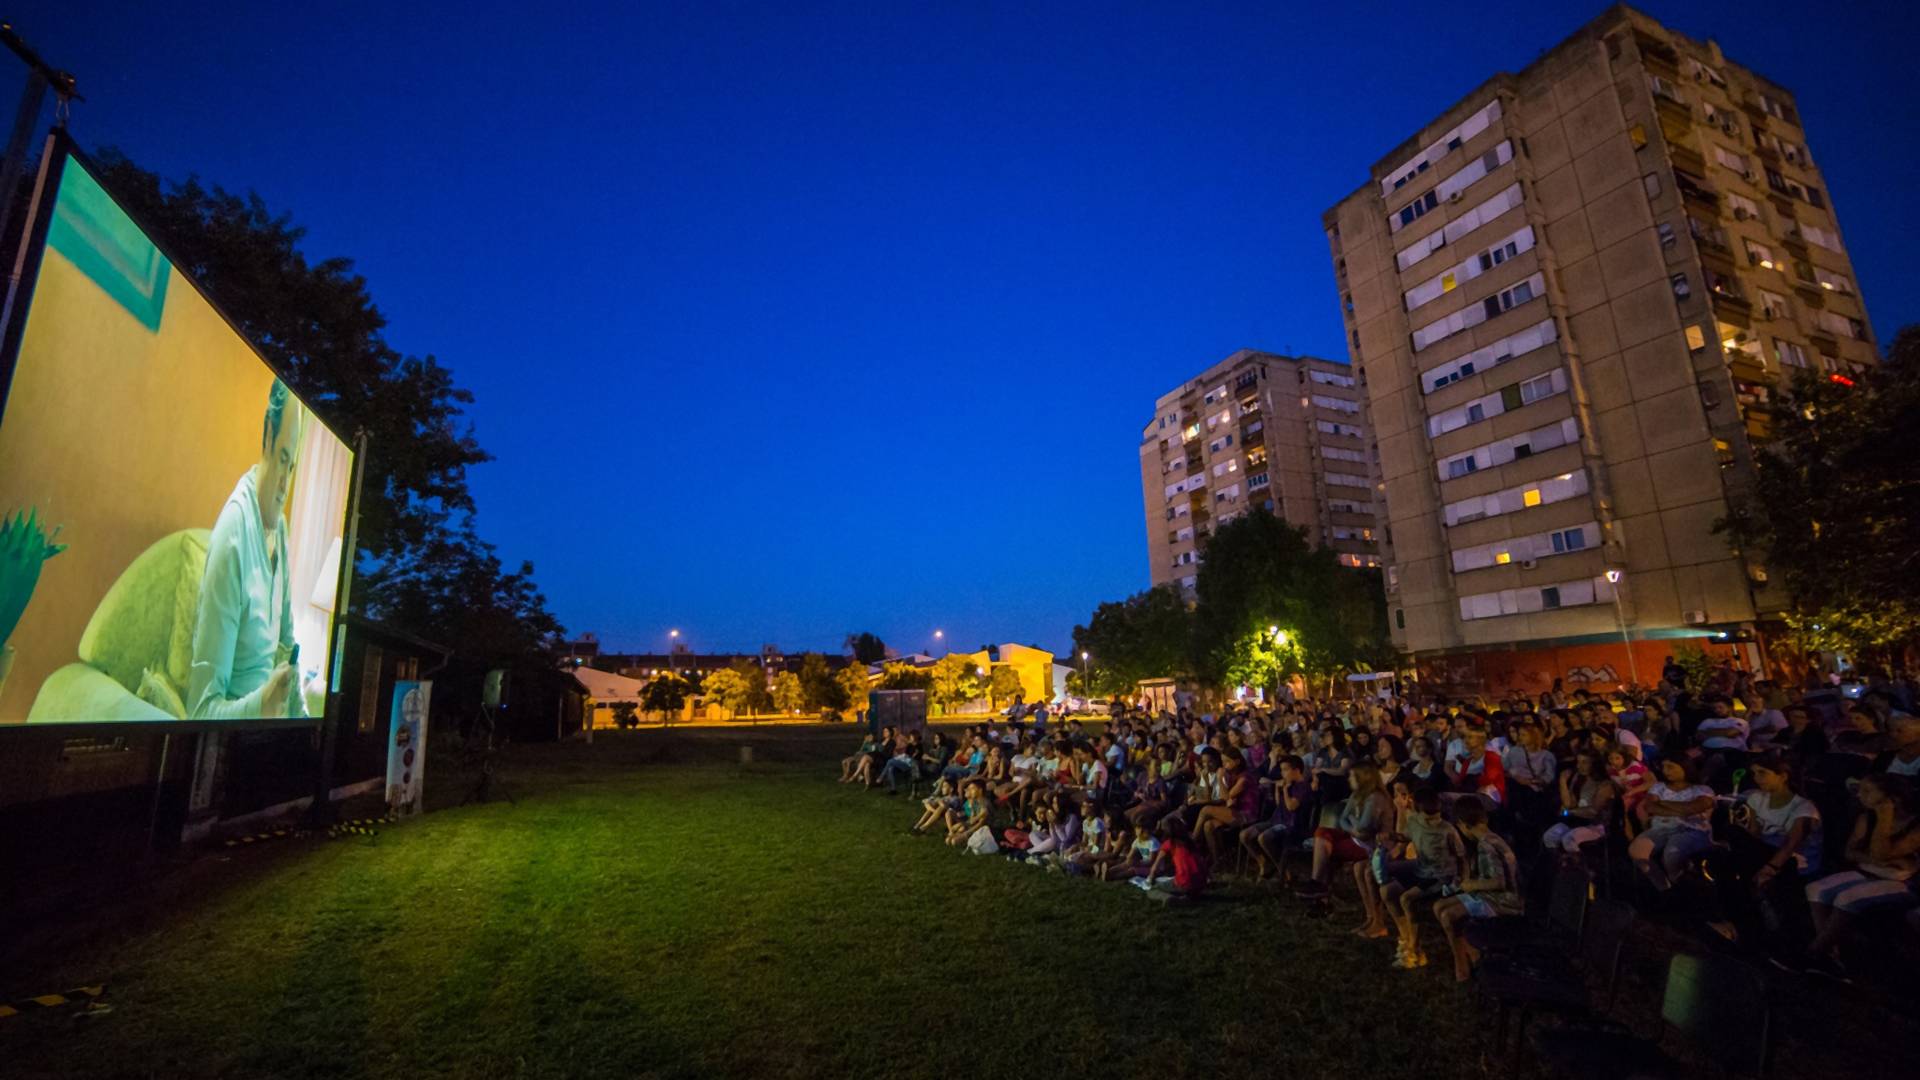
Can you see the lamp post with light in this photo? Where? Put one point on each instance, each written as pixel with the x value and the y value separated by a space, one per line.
pixel 1620 616
pixel 940 640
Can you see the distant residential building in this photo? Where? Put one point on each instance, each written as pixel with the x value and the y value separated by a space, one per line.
pixel 1289 434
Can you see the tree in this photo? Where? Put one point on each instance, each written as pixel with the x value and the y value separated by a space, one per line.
pixel 625 714
pixel 1831 513
pixel 420 565
pixel 866 648
pixel 854 683
pixel 1271 606
pixel 788 695
pixel 666 694
pixel 819 689
pixel 729 689
pixel 1004 685
pixel 1146 636
pixel 955 680
pixel 904 676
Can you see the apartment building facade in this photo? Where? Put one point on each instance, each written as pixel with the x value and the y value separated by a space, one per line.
pixel 1258 431
pixel 1573 300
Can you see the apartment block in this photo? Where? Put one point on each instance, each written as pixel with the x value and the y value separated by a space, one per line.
pixel 1573 300
pixel 1286 434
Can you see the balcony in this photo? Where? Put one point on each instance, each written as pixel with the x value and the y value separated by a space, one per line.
pixel 1697 191
pixel 1686 157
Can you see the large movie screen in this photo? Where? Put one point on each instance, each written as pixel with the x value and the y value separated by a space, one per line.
pixel 170 515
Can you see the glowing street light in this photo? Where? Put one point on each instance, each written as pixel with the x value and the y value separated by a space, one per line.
pixel 1619 614
pixel 1279 635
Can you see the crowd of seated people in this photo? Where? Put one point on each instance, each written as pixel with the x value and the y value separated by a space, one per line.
pixel 1787 825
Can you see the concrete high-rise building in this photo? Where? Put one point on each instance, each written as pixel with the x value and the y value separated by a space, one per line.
pixel 1572 299
pixel 1288 434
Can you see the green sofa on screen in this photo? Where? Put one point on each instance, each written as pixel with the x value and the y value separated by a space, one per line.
pixel 137 651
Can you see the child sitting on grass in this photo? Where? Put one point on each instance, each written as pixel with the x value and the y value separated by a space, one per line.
pixel 937 805
pixel 1177 851
pixel 970 815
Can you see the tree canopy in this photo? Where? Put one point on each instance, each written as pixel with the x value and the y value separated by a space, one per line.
pixel 1260 575
pixel 1832 509
pixel 866 647
pixel 421 565
pixel 1146 636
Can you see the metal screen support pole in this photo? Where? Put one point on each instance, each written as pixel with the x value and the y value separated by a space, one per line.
pixel 320 812
pixel 159 786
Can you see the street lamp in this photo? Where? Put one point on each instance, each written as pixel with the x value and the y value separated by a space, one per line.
pixel 673 663
pixel 939 638
pixel 1620 616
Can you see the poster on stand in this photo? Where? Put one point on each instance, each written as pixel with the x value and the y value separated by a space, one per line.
pixel 407 747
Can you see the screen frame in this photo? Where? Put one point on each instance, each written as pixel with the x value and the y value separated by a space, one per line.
pixel 60 149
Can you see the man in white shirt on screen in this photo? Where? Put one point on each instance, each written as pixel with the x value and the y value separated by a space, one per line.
pixel 243 648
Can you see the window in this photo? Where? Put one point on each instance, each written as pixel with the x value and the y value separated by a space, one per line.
pixel 1823 237
pixel 1760 255
pixel 1736 162
pixel 1667 237
pixel 1681 290
pixel 1459 226
pixel 1476 412
pixel 1257 480
pixel 1696 339
pixel 1330 378
pixel 1444 145
pixel 1515 344
pixel 1418 208
pixel 1530 497
pixel 1550 597
pixel 1651 182
pixel 1400 618
pixel 1832 281
pixel 1461 466
pixel 1774 306
pixel 1507 299
pixel 1569 540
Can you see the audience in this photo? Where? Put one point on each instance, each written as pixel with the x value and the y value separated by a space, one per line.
pixel 1737 810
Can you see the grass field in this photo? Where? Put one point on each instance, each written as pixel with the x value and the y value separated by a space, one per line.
pixel 650 908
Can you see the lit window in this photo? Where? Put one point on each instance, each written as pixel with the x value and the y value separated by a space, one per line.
pixel 1531 497
pixel 1696 339
pixel 1502 557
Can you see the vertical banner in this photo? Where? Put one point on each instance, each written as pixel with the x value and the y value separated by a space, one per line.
pixel 407 747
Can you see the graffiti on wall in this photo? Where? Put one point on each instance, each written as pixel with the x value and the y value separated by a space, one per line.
pixel 1587 675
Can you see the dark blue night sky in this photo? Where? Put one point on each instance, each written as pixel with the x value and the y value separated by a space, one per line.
pixel 792 320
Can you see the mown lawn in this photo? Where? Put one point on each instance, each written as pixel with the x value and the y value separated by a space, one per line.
pixel 650 908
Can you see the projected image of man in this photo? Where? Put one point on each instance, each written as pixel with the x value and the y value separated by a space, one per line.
pixel 243 631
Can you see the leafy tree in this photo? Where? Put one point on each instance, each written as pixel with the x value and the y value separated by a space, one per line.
pixel 665 694
pixel 866 648
pixel 729 689
pixel 1261 575
pixel 819 689
pixel 789 696
pixel 854 683
pixel 757 697
pixel 1832 508
pixel 955 680
pixel 1004 685
pixel 421 565
pixel 904 676
pixel 626 714
pixel 1147 636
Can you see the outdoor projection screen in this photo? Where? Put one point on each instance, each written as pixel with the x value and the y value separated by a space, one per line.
pixel 199 504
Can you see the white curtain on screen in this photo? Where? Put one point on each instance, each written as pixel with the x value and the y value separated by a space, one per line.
pixel 314 524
